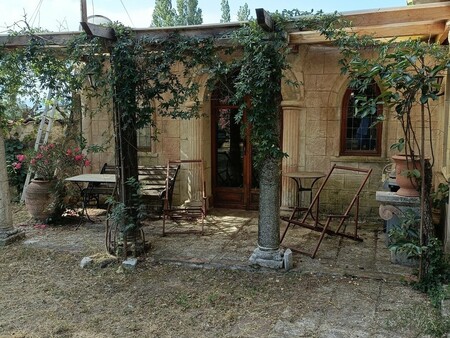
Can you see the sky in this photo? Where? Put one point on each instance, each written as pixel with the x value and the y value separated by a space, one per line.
pixel 64 15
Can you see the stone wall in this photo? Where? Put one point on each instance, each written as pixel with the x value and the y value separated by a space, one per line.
pixel 311 134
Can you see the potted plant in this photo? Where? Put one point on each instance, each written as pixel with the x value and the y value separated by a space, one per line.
pixel 407 171
pixel 439 197
pixel 49 164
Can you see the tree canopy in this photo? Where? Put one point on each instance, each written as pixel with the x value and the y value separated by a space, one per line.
pixel 225 8
pixel 186 13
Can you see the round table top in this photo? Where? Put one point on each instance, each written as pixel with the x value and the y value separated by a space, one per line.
pixel 305 174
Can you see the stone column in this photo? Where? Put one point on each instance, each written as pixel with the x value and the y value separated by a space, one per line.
pixel 291 146
pixel 8 233
pixel 268 253
pixel 191 148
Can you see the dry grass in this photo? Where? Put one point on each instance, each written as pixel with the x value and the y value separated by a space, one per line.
pixel 45 293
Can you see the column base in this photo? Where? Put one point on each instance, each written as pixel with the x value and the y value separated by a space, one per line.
pixel 272 259
pixel 11 236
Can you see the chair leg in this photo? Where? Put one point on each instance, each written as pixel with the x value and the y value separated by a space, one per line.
pixel 284 233
pixel 324 230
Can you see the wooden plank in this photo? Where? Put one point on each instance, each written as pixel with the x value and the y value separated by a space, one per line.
pixel 444 35
pixel 264 20
pixel 430 29
pixel 99 31
pixel 221 32
pixel 386 16
pixel 51 39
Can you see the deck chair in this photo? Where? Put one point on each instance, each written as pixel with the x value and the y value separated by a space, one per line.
pixel 333 224
pixel 194 209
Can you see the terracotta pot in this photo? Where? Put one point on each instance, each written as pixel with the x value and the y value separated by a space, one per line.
pixel 38 199
pixel 408 185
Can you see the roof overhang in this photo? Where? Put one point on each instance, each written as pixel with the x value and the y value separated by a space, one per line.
pixel 429 21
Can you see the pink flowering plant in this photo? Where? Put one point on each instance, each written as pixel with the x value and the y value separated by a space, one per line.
pixel 52 160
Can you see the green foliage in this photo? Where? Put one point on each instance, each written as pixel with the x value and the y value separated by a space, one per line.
pixel 440 196
pixel 33 70
pixel 405 239
pixel 243 13
pixel 186 13
pixel 399 145
pixel 225 9
pixel 128 218
pixel 163 14
pixel 405 236
pixel 16 177
pixel 438 272
pixel 259 80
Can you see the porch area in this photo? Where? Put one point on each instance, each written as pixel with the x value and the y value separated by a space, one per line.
pixel 231 236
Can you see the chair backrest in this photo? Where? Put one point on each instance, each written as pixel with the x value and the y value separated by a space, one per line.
pixel 197 185
pixel 108 169
pixel 356 192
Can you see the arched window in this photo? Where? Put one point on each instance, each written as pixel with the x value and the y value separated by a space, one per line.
pixel 359 135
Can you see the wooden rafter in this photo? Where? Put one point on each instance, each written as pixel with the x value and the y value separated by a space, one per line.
pixel 222 32
pixel 427 29
pixel 427 21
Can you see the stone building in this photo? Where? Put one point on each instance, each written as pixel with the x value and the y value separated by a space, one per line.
pixel 318 129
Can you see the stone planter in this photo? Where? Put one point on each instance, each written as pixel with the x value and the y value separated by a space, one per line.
pixel 408 185
pixel 38 199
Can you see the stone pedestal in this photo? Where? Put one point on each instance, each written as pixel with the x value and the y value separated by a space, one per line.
pixel 393 206
pixel 8 237
pixel 272 259
pixel 391 210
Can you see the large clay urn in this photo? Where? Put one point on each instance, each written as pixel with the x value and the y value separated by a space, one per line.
pixel 38 199
pixel 408 185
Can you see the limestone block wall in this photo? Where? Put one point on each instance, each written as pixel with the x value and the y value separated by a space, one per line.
pixel 314 146
pixel 317 138
pixel 98 129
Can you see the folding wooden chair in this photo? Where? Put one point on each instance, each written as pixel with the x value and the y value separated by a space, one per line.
pixel 194 209
pixel 311 218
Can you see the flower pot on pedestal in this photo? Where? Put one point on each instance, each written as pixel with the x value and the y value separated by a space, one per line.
pixel 408 183
pixel 38 199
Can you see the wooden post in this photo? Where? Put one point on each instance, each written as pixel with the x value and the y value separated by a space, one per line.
pixel 83 11
pixel 264 19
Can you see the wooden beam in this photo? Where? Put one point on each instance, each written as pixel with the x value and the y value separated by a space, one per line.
pixel 51 39
pixel 264 20
pixel 221 32
pixel 430 29
pixel 444 36
pixel 385 16
pixel 99 31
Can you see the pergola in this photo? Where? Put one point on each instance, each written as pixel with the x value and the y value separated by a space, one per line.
pixel 429 22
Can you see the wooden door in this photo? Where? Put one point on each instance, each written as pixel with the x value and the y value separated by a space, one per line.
pixel 235 183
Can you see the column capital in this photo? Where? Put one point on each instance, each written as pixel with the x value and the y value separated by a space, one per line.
pixel 292 104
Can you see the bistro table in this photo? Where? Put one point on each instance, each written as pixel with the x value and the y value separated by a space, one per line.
pixel 90 178
pixel 298 177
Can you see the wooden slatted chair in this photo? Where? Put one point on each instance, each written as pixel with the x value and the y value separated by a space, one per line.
pixel 193 210
pixel 93 191
pixel 333 224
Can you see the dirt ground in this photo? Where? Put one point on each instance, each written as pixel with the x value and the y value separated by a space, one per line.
pixel 45 293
